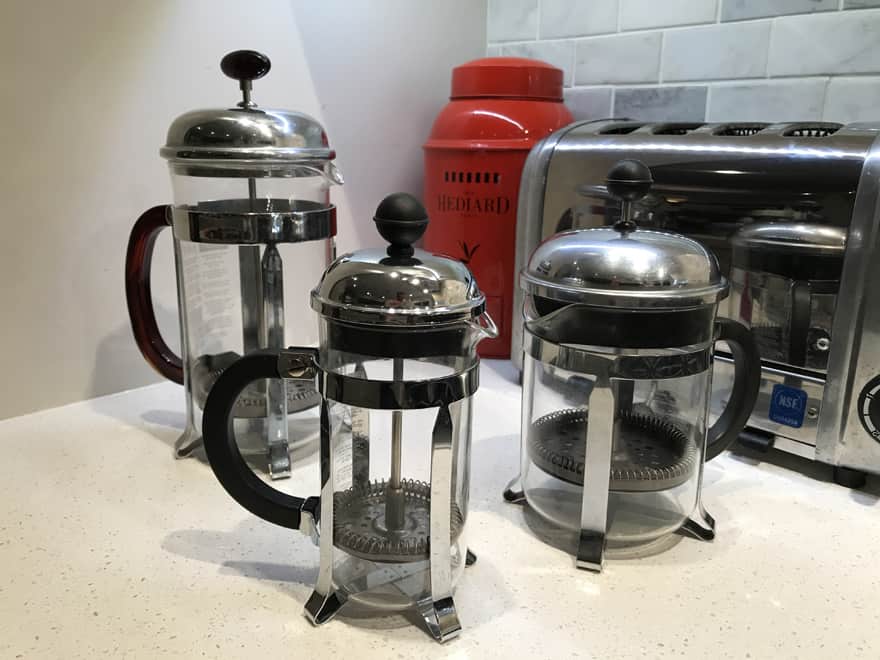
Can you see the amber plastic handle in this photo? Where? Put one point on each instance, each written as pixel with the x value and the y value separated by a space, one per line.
pixel 139 297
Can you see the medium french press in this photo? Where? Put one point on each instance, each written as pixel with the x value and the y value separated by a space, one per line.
pixel 620 325
pixel 396 369
pixel 251 204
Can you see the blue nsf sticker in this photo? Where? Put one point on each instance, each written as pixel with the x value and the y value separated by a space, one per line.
pixel 788 405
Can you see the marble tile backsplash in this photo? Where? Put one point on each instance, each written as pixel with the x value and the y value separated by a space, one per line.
pixel 625 58
pixel 738 10
pixel 696 60
pixel 768 101
pixel 660 103
pixel 716 51
pixel 564 18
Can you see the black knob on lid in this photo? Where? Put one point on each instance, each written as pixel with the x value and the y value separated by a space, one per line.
pixel 401 220
pixel 245 66
pixel 629 180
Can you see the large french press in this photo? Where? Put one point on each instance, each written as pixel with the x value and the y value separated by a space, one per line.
pixel 620 325
pixel 396 369
pixel 252 224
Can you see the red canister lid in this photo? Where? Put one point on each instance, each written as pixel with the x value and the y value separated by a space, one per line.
pixel 511 77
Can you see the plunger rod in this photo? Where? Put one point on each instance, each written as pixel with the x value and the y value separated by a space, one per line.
pixel 262 310
pixel 396 431
pixel 251 284
pixel 394 492
pixel 273 337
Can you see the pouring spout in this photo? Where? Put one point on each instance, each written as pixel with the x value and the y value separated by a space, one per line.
pixel 485 327
pixel 334 175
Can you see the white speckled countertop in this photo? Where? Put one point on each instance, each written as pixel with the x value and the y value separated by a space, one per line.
pixel 110 547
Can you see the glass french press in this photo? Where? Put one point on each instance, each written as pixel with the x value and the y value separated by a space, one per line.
pixel 396 368
pixel 620 325
pixel 251 202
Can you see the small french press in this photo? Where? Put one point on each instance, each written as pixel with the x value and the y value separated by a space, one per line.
pixel 620 325
pixel 396 369
pixel 251 220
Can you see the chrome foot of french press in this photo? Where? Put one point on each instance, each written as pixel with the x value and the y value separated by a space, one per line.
pixel 187 443
pixel 598 441
pixel 701 526
pixel 441 618
pixel 514 492
pixel 591 551
pixel 321 608
pixel 279 461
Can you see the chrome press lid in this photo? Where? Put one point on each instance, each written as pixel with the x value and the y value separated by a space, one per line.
pixel 802 237
pixel 399 286
pixel 622 266
pixel 237 141
pixel 798 251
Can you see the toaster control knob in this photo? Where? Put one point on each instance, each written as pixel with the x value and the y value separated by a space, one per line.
pixel 869 407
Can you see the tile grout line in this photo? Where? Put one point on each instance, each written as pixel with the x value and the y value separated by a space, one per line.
pixel 660 57
pixel 649 30
pixel 718 11
pixel 824 114
pixel 733 82
pixel 538 21
pixel 770 33
pixel 706 109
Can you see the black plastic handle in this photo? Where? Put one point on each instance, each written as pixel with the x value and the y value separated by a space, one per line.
pixel 799 323
pixel 226 461
pixel 746 384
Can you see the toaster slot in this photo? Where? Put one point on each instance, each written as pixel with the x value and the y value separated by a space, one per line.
pixel 677 128
pixel 738 129
pixel 819 129
pixel 623 128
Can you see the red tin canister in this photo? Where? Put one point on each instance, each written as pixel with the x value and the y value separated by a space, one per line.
pixel 499 108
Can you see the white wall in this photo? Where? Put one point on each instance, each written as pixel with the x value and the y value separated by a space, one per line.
pixel 696 60
pixel 382 71
pixel 89 88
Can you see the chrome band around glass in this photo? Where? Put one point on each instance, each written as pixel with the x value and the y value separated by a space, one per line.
pixel 240 221
pixel 634 364
pixel 399 395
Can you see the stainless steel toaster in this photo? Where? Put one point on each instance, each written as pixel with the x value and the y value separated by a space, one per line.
pixel 781 189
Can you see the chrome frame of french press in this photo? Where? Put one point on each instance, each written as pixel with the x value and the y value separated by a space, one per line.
pixel 261 280
pixel 439 612
pixel 314 516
